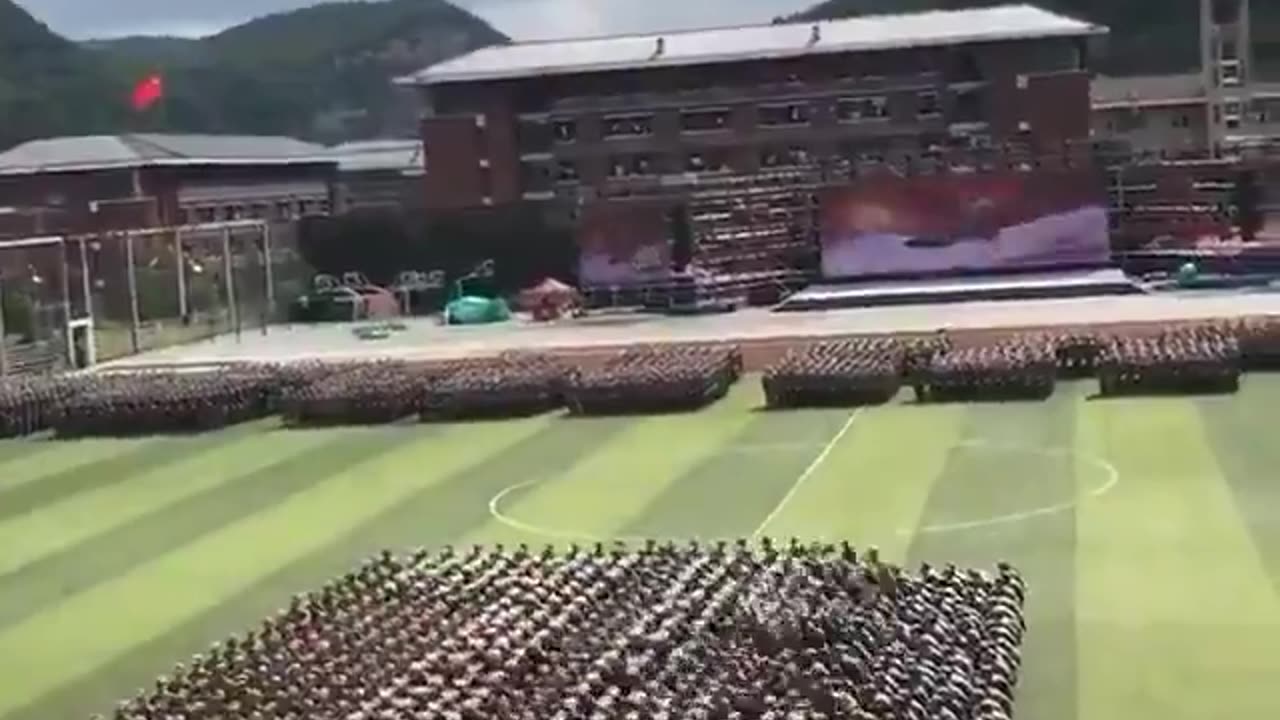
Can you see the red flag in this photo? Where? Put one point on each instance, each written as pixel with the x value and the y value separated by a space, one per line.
pixel 147 92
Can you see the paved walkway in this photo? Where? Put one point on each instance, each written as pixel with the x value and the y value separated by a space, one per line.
pixel 426 339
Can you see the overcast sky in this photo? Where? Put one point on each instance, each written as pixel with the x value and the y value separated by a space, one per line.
pixel 521 19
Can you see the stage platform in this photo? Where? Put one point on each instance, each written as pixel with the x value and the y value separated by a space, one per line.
pixel 1022 286
pixel 425 339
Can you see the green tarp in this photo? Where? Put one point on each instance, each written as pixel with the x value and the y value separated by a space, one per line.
pixel 472 310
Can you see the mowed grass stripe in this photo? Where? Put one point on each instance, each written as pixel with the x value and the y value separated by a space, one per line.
pixel 873 485
pixel 18 448
pixel 49 458
pixel 79 517
pixel 1232 425
pixel 110 470
pixel 72 640
pixel 226 484
pixel 440 512
pixel 603 492
pixel 1014 459
pixel 743 478
pixel 1177 619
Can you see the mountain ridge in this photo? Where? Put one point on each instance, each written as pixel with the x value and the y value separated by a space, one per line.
pixel 322 73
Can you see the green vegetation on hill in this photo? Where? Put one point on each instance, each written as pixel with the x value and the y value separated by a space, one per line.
pixel 322 72
pixel 1147 36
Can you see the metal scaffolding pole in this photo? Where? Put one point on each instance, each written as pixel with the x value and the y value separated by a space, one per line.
pixel 269 277
pixel 4 346
pixel 134 310
pixel 64 270
pixel 181 257
pixel 230 282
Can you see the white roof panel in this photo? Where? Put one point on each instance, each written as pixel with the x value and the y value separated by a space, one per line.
pixel 403 156
pixel 106 152
pixel 873 32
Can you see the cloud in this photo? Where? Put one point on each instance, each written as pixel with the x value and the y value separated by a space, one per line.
pixel 521 19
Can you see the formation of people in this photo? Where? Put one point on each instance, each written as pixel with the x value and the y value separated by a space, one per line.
pixel 655 378
pixel 709 631
pixel 1200 359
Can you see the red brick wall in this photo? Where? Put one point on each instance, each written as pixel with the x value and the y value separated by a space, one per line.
pixel 454 178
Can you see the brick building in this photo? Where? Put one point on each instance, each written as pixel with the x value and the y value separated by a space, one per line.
pixel 531 121
pixel 1210 112
pixel 88 184
pixel 378 174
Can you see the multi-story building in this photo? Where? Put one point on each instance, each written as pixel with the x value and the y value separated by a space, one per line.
pixel 531 120
pixel 378 174
pixel 88 184
pixel 1222 106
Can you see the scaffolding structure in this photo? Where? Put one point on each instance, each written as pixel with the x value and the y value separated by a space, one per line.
pixel 199 280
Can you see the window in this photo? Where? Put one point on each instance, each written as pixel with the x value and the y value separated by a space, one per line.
pixel 1182 121
pixel 564 131
pixel 872 107
pixel 711 161
pixel 628 126
pixel 566 171
pixel 784 115
pixel 710 120
pixel 1225 12
pixel 1130 121
pixel 967 107
pixel 928 105
pixel 964 68
pixel 630 166
pixel 788 157
pixel 534 176
pixel 1230 74
pixel 1229 49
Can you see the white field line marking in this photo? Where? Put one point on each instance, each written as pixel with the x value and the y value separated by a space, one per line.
pixel 808 472
pixel 495 510
pixel 1113 479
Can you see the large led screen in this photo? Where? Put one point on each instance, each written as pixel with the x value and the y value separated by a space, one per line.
pixel 964 222
pixel 623 243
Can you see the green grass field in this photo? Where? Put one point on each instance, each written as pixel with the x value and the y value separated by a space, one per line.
pixel 1148 529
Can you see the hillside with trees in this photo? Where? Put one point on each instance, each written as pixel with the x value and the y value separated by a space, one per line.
pixel 322 72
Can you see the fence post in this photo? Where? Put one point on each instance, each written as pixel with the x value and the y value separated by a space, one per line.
pixel 64 268
pixel 134 311
pixel 4 345
pixel 230 282
pixel 180 256
pixel 270 276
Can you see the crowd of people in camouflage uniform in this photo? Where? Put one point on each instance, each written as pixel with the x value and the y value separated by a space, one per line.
pixel 707 631
pixel 1195 360
pixel 858 371
pixel 655 378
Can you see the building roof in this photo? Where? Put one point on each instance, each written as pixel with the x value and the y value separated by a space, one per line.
pixel 403 156
pixel 1148 90
pixel 108 152
pixel 721 45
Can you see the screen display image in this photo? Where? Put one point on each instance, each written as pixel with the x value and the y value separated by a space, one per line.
pixel 955 223
pixel 623 244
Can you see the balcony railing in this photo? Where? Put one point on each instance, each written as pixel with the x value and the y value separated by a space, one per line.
pixel 767 91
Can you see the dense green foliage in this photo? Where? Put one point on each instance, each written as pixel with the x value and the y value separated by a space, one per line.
pixel 1147 36
pixel 323 72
